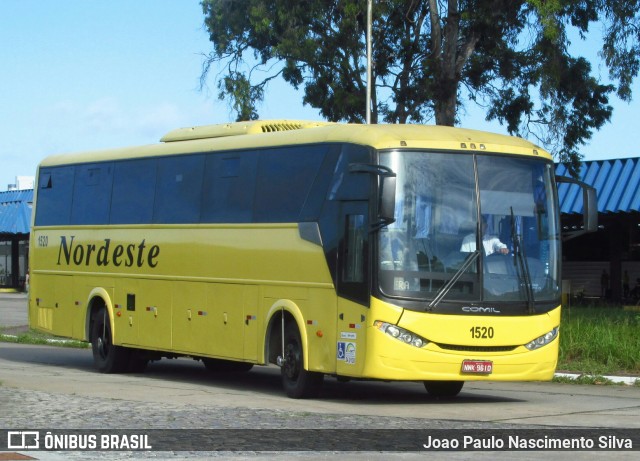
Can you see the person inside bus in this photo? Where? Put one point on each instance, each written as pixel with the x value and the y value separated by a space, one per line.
pixel 491 243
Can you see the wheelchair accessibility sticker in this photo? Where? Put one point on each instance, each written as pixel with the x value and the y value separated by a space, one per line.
pixel 347 352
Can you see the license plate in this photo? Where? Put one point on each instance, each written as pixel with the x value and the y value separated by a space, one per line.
pixel 479 367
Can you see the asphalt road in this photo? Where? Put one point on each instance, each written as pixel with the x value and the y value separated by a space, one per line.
pixel 47 387
pixel 186 382
pixel 13 310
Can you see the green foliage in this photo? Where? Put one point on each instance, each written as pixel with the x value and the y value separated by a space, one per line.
pixel 317 43
pixel 621 49
pixel 510 56
pixel 600 341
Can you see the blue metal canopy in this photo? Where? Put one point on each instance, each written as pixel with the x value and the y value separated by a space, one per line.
pixel 15 211
pixel 617 183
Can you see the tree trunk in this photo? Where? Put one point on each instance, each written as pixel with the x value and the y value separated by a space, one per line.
pixel 445 51
pixel 446 102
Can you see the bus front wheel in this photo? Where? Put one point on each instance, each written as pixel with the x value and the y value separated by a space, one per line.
pixel 443 389
pixel 298 383
pixel 107 357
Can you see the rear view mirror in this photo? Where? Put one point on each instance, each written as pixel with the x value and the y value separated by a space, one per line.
pixel 589 205
pixel 386 191
pixel 387 208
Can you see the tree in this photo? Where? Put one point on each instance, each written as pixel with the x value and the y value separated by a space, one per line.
pixel 510 56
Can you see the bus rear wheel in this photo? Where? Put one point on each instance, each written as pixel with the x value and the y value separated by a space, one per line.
pixel 443 389
pixel 107 357
pixel 298 383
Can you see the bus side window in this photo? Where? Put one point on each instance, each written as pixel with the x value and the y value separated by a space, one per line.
pixel 91 203
pixel 229 187
pixel 55 194
pixel 134 188
pixel 179 189
pixel 284 179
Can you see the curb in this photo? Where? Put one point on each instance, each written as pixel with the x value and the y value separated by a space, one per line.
pixel 628 380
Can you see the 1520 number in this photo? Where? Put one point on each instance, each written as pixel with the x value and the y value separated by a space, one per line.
pixel 481 332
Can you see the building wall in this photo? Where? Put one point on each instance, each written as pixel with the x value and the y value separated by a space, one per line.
pixel 615 248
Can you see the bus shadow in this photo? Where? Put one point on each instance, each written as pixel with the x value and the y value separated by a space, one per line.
pixel 382 393
pixel 266 380
pixel 261 379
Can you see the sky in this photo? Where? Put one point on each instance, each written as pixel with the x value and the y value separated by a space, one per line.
pixel 80 75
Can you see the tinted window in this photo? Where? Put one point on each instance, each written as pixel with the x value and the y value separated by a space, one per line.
pixel 312 208
pixel 179 189
pixel 134 185
pixel 353 282
pixel 353 269
pixel 348 185
pixel 273 185
pixel 285 177
pixel 229 185
pixel 55 189
pixel 92 193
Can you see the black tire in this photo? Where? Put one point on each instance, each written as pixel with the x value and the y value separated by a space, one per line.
pixel 226 366
pixel 107 357
pixel 443 389
pixel 298 383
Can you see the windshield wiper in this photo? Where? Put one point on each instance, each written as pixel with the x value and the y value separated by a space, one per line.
pixel 522 267
pixel 471 257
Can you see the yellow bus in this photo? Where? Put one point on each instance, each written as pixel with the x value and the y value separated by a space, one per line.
pixel 391 252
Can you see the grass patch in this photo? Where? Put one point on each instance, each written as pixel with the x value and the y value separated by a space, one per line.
pixel 599 341
pixel 584 379
pixel 37 337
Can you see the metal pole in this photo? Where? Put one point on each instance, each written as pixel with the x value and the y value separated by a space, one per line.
pixel 369 83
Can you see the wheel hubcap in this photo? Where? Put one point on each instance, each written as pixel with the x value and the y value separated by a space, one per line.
pixel 292 363
pixel 102 347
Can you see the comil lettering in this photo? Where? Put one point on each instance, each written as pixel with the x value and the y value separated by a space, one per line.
pixel 127 255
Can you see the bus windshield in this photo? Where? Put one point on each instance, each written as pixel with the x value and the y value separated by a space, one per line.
pixel 495 213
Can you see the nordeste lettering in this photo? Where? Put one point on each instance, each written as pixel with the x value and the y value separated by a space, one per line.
pixel 105 254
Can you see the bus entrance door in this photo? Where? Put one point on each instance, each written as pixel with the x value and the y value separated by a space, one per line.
pixel 353 288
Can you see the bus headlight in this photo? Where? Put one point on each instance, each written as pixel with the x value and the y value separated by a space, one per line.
pixel 400 334
pixel 542 340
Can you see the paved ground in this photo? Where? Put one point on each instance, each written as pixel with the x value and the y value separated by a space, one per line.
pixel 45 407
pixel 13 311
pixel 46 387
